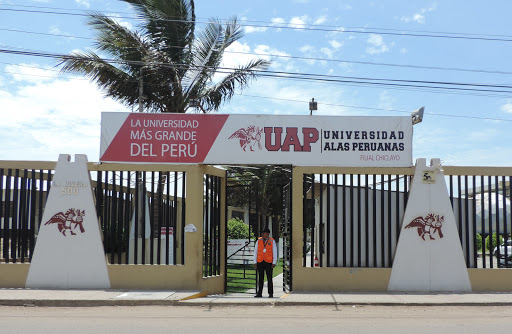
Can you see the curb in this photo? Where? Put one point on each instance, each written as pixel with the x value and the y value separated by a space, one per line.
pixel 213 303
pixel 86 303
pixel 201 294
pixel 313 304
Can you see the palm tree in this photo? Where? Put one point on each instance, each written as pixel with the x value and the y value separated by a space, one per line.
pixel 165 58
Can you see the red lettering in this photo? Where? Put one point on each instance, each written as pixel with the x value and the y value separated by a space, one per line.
pixel 291 139
pixel 277 141
pixel 310 136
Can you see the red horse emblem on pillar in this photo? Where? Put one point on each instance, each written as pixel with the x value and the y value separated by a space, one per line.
pixel 65 221
pixel 428 225
pixel 248 137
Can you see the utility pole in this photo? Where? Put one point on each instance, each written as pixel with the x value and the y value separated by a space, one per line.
pixel 141 90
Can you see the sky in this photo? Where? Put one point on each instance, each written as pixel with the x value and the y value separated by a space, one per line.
pixel 44 113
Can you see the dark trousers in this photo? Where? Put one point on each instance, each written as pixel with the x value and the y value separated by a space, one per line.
pixel 265 267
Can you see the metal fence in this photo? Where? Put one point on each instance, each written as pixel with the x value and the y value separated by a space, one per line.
pixel 211 225
pixel 22 200
pixel 156 198
pixel 481 205
pixel 142 215
pixel 352 220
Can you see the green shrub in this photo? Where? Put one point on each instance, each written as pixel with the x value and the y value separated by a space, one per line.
pixel 237 229
pixel 478 241
pixel 491 245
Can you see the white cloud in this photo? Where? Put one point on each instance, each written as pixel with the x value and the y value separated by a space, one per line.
pixel 403 50
pixel 241 53
pixel 267 50
pixel 386 100
pixel 50 117
pixel 376 44
pixel 320 20
pixel 507 107
pixel 251 29
pixel 30 73
pixel 55 30
pixel 328 52
pixel 335 44
pixel 308 51
pixel 298 22
pixel 482 135
pixel 306 48
pixel 278 21
pixel 85 3
pixel 420 16
pixel 336 32
pixel 123 23
pixel 237 54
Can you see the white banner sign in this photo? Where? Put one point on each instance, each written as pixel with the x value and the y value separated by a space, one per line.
pixel 257 139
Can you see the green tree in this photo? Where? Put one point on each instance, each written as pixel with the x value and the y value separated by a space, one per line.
pixel 478 241
pixel 166 56
pixel 268 182
pixel 237 229
pixel 491 245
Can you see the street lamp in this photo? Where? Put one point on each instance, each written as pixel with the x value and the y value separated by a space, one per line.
pixel 417 115
pixel 312 106
pixel 194 103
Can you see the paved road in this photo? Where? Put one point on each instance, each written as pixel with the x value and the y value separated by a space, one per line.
pixel 283 320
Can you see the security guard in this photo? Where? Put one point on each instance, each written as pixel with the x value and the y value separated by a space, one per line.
pixel 265 259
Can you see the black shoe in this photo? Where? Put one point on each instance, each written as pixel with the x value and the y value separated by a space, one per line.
pixel 258 296
pixel 270 296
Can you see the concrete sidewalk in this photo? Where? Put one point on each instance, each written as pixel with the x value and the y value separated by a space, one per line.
pixel 37 297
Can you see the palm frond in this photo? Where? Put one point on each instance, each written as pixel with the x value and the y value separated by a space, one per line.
pixel 112 80
pixel 165 55
pixel 223 91
pixel 170 23
pixel 118 41
pixel 209 49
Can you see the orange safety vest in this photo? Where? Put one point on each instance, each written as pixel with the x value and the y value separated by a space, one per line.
pixel 268 255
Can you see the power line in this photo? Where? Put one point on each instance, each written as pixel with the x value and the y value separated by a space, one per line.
pixel 282 99
pixel 289 27
pixel 379 109
pixel 296 57
pixel 44 33
pixel 306 76
pixel 434 91
pixel 300 101
pixel 270 22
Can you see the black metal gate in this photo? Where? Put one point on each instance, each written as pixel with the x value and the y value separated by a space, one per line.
pixel 242 229
pixel 287 238
pixel 254 200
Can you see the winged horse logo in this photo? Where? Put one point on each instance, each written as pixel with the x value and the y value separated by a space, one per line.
pixel 64 221
pixel 428 225
pixel 249 137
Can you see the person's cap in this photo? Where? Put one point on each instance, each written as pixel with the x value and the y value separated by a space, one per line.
pixel 265 230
